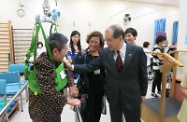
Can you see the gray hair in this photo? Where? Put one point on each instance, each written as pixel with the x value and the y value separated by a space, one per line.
pixel 57 40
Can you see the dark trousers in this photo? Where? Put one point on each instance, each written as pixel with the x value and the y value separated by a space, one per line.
pixel 92 113
pixel 130 115
pixel 157 81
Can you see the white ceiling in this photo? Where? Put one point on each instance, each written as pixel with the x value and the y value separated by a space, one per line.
pixel 166 2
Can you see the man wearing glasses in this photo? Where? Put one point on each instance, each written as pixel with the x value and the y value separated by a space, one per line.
pixel 126 80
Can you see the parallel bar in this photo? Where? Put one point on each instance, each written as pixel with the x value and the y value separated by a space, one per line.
pixel 12 100
pixel 78 115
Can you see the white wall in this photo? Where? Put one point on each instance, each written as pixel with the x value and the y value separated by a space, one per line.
pixel 99 13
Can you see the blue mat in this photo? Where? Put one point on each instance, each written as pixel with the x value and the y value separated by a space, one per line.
pixel 2 105
pixel 172 106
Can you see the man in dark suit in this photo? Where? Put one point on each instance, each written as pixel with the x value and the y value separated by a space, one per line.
pixel 126 80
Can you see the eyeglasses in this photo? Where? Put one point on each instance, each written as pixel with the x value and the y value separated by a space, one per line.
pixel 109 40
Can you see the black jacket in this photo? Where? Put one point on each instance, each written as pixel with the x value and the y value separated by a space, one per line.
pixel 131 83
pixel 96 82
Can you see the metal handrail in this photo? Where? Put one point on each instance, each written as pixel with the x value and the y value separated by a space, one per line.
pixel 78 117
pixel 12 100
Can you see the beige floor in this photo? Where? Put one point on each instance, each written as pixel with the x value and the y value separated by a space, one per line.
pixel 67 116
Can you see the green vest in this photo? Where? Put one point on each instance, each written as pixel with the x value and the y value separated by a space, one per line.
pixel 61 80
pixel 30 75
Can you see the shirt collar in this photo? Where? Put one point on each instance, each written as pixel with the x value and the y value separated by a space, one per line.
pixel 123 48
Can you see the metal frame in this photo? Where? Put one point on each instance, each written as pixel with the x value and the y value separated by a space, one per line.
pixel 4 111
pixel 78 117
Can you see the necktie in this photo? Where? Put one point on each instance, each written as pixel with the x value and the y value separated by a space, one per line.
pixel 119 63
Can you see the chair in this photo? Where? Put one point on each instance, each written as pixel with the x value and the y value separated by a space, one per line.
pixel 19 68
pixel 3 93
pixel 13 84
pixel 16 68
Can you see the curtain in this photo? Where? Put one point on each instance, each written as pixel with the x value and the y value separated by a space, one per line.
pixel 175 32
pixel 160 26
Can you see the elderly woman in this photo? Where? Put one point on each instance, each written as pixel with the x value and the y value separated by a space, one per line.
pixel 47 105
pixel 91 84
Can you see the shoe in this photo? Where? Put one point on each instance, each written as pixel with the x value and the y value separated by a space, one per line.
pixel 154 95
pixel 159 92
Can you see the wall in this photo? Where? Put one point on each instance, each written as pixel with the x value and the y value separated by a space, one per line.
pixel 101 14
pixel 89 15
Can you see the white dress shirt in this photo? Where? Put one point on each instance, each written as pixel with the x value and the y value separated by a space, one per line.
pixel 149 56
pixel 122 53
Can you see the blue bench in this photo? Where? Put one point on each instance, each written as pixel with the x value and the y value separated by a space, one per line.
pixel 13 84
pixel 16 68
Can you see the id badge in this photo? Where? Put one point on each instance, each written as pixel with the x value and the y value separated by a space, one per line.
pixel 96 72
pixel 62 74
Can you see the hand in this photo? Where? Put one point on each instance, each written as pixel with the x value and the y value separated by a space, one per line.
pixel 143 98
pixel 73 91
pixel 74 102
pixel 67 64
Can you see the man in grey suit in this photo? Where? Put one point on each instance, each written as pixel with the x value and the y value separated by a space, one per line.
pixel 126 80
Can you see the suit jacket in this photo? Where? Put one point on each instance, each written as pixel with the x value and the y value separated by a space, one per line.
pixel 130 84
